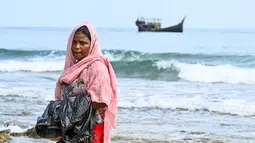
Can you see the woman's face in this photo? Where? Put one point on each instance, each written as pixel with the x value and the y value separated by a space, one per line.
pixel 80 46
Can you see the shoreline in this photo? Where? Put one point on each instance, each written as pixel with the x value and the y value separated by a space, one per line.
pixel 31 136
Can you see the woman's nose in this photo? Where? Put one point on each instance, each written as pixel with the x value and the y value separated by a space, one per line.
pixel 77 46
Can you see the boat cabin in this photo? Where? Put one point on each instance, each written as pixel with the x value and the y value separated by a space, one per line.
pixel 149 24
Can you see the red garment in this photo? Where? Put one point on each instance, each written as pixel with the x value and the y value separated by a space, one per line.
pixel 98 133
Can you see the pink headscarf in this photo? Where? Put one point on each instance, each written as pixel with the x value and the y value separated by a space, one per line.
pixel 72 71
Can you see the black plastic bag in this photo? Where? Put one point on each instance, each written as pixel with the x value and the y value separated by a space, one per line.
pixel 72 118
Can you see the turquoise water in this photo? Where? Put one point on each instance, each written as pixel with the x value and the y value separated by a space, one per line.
pixel 195 86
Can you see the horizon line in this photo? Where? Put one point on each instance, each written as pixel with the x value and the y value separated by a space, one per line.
pixel 66 27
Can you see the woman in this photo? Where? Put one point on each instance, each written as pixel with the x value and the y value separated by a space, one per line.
pixel 87 69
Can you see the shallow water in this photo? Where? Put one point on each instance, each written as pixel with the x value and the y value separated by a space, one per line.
pixel 199 88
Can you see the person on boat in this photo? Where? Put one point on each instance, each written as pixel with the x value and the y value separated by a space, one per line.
pixel 87 69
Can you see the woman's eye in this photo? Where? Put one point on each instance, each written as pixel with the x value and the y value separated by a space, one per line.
pixel 82 43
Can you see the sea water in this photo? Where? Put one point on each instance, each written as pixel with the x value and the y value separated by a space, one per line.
pixel 196 86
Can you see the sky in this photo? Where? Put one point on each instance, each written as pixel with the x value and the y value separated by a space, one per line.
pixel 123 13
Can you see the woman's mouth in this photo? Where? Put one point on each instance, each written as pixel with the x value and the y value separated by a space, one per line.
pixel 77 53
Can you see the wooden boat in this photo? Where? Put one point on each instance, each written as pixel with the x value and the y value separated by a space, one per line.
pixel 155 26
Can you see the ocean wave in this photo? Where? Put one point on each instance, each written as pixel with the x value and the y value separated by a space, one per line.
pixel 149 69
pixel 152 66
pixel 128 55
pixel 231 106
pixel 9 54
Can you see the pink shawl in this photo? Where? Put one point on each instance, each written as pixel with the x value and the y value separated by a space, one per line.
pixel 72 71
